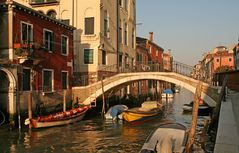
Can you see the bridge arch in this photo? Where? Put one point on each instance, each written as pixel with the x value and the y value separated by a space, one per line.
pixel 171 77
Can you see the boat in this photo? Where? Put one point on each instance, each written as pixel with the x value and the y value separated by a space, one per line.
pixel 167 93
pixel 115 112
pixel 203 108
pixel 167 137
pixel 147 109
pixel 61 118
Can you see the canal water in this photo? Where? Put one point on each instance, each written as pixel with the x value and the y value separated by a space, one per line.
pixel 94 135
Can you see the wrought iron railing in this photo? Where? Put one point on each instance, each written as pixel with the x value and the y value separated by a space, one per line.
pixel 111 70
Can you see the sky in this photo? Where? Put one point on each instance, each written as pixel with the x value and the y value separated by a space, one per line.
pixel 189 28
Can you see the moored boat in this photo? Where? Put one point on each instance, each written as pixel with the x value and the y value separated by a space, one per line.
pixel 60 118
pixel 167 93
pixel 115 112
pixel 147 109
pixel 168 137
pixel 203 108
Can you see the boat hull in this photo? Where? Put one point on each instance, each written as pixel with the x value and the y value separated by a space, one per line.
pixel 135 114
pixel 35 123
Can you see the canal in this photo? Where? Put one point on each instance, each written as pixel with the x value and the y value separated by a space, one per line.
pixel 94 135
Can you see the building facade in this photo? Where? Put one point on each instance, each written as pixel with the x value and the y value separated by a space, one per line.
pixel 104 39
pixel 36 57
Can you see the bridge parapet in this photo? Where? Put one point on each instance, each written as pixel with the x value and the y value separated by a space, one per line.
pixel 210 93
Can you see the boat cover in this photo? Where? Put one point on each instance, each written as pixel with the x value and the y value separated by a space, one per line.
pixel 165 140
pixel 114 111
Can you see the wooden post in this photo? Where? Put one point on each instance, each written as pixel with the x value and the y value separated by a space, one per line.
pixel 204 132
pixel 30 108
pixel 103 97
pixel 192 131
pixel 64 101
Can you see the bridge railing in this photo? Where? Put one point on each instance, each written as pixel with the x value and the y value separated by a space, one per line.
pixel 109 71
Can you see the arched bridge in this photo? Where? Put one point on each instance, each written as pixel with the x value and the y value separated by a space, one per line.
pixel 209 93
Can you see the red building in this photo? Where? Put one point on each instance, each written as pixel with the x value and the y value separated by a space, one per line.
pixel 155 53
pixel 36 53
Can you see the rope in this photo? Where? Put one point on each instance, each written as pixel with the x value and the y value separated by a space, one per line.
pixel 3 118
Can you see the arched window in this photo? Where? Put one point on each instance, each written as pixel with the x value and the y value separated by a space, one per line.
pixel 52 13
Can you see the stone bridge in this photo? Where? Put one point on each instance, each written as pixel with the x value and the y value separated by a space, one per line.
pixel 85 93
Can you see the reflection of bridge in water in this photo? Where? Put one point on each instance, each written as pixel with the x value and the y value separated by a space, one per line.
pixel 181 75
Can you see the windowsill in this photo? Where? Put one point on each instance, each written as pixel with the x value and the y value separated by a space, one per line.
pixel 89 35
pixel 64 54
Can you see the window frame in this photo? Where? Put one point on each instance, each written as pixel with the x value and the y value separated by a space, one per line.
pixel 126 34
pixel 89 32
pixel 52 81
pixel 104 57
pixel 106 24
pixel 31 35
pixel 51 44
pixel 67 45
pixel 67 80
pixel 90 49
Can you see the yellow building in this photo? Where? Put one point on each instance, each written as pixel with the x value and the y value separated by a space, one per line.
pixel 104 39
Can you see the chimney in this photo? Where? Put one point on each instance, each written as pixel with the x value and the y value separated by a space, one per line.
pixel 151 36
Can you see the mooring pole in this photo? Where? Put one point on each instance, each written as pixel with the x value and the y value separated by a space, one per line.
pixel 64 101
pixel 30 108
pixel 192 131
pixel 103 97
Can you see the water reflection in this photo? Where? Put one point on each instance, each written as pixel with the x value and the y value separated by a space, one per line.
pixel 95 135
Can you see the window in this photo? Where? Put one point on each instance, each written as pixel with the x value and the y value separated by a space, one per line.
pixel 64 79
pixel 139 58
pixel 89 26
pixel 103 57
pixel 133 38
pixel 120 32
pixel 88 56
pixel 106 25
pixel 49 40
pixel 52 13
pixel 64 45
pixel 26 83
pixel 120 60
pixel 125 34
pixel 47 81
pixel 217 59
pixel 26 33
pixel 230 59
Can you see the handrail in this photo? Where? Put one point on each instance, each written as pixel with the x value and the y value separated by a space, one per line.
pixel 111 70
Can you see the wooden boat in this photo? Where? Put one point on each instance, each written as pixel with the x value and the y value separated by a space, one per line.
pixel 61 118
pixel 115 112
pixel 147 109
pixel 203 108
pixel 167 93
pixel 168 137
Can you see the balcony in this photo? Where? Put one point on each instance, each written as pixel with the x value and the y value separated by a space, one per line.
pixel 44 2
